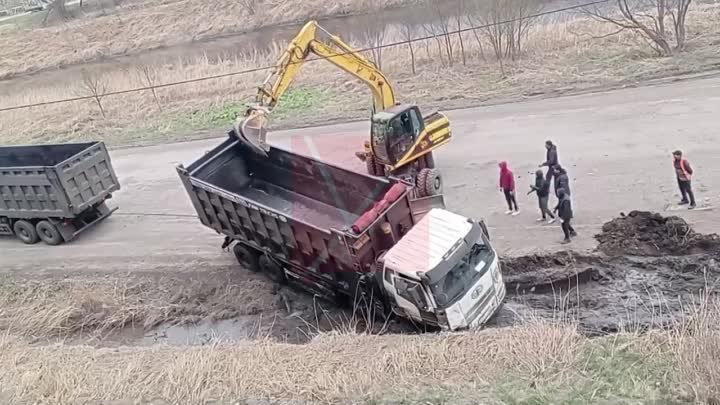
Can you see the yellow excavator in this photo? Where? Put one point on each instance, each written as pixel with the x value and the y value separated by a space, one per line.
pixel 401 139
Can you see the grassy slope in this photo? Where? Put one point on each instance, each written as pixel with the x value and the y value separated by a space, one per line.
pixel 534 364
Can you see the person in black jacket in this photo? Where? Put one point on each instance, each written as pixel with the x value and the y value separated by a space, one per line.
pixel 562 181
pixel 542 188
pixel 551 160
pixel 564 210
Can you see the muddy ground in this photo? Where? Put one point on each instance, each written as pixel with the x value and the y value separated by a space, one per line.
pixel 154 235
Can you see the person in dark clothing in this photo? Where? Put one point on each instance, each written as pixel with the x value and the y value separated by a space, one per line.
pixel 551 160
pixel 564 210
pixel 542 188
pixel 562 181
pixel 684 172
pixel 507 185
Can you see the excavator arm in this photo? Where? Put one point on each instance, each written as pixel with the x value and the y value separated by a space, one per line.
pixel 312 39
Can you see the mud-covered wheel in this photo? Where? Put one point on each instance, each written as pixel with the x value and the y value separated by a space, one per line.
pixel 25 231
pixel 246 257
pixel 272 269
pixel 429 182
pixel 49 233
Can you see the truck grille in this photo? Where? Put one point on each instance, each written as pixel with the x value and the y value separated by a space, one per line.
pixel 481 303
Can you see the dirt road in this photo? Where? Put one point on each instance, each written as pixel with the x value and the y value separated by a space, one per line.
pixel 615 145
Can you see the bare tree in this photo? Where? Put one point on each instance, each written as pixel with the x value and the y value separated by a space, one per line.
pixel 408 30
pixel 649 18
pixel 460 12
pixel 505 25
pixel 149 77
pixel 373 34
pixel 56 9
pixel 96 86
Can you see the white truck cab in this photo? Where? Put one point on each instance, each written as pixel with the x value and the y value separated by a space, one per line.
pixel 444 272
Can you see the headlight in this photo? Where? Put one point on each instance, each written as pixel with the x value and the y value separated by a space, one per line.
pixel 497 277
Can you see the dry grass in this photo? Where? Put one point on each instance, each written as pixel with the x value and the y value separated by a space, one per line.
pixel 328 369
pixel 141 26
pixel 560 57
pixel 697 352
pixel 40 309
pixel 538 362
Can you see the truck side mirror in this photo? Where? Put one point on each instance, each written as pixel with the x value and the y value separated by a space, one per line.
pixel 484 229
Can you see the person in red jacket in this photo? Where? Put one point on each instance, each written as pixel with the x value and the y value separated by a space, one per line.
pixel 507 186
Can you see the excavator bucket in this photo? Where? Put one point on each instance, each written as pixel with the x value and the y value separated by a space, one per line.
pixel 252 130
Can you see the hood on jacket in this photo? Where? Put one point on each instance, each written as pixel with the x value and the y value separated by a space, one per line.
pixel 560 169
pixel 539 174
pixel 549 145
pixel 503 166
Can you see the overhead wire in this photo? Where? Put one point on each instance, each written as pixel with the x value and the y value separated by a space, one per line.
pixel 270 67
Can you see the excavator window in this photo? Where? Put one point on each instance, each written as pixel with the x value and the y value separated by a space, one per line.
pixel 402 135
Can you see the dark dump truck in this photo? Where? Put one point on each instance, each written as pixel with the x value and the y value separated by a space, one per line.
pixel 346 236
pixel 54 192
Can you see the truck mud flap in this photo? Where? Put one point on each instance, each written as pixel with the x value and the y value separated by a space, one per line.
pixel 71 231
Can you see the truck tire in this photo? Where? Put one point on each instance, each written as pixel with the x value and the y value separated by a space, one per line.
pixel 272 269
pixel 48 233
pixel 429 182
pixel 247 257
pixel 25 231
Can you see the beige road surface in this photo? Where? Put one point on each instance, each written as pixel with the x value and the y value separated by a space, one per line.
pixel 615 145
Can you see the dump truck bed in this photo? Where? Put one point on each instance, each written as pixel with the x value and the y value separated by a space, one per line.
pixel 327 225
pixel 61 181
pixel 296 187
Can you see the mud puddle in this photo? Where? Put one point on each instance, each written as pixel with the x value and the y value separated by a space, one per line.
pixel 609 294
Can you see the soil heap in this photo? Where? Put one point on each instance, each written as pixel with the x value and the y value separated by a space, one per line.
pixel 644 233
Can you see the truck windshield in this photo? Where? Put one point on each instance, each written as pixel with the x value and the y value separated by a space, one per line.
pixel 463 276
pixel 379 140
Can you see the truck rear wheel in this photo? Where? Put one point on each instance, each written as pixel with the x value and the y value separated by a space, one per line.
pixel 25 231
pixel 272 269
pixel 429 182
pixel 247 257
pixel 49 233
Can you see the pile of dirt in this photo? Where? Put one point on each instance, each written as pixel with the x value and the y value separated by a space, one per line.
pixel 644 233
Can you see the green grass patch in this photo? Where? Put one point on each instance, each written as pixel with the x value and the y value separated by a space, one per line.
pixel 301 100
pixel 609 371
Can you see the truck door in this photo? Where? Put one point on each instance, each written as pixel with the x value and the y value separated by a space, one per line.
pixel 409 295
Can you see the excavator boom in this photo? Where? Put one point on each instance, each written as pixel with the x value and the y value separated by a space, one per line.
pixel 312 39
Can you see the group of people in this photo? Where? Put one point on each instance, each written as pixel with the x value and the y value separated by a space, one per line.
pixel 561 185
pixel 557 178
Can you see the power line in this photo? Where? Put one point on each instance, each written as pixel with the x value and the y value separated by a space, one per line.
pixel 259 69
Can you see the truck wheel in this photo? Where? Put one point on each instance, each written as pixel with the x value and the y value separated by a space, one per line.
pixel 272 269
pixel 247 257
pixel 25 231
pixel 48 233
pixel 429 182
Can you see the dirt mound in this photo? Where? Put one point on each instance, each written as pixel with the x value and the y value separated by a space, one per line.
pixel 644 233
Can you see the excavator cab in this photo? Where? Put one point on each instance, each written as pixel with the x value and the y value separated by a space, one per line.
pixel 394 132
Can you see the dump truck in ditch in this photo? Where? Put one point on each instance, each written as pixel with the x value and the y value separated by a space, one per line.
pixel 54 192
pixel 347 236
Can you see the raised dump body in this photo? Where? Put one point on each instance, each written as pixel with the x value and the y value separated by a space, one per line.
pixel 298 210
pixel 54 192
pixel 340 234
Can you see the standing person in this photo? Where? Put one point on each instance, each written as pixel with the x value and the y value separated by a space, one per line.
pixel 551 160
pixel 562 181
pixel 542 189
pixel 564 210
pixel 507 186
pixel 684 173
